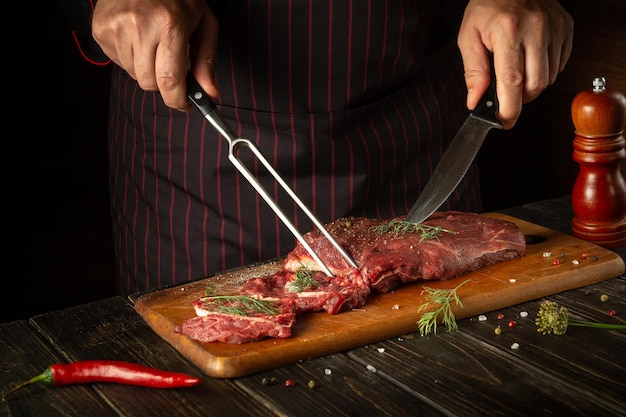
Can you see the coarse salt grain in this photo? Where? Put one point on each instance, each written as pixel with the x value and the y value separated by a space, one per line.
pixel 482 317
pixel 371 368
pixel 512 280
pixel 575 262
pixel 395 307
pixel 515 346
pixel 547 254
pixel 381 350
pixel 327 371
pixel 523 314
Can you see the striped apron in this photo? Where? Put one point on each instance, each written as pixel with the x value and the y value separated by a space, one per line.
pixel 352 101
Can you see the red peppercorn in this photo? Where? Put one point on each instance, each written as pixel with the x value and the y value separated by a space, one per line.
pixel 500 316
pixel 512 324
pixel 611 312
pixel 290 383
pixel 556 262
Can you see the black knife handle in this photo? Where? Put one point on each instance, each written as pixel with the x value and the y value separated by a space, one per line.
pixel 487 107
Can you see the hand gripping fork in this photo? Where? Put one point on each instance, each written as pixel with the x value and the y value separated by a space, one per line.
pixel 208 109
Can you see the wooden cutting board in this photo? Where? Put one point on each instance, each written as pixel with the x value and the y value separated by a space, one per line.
pixel 384 315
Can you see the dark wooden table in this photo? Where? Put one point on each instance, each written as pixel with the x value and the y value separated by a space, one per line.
pixel 472 372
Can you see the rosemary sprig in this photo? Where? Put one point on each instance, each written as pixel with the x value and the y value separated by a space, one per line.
pixel 442 297
pixel 400 227
pixel 240 305
pixel 303 281
pixel 554 319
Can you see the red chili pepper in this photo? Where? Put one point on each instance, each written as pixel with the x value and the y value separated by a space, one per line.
pixel 84 372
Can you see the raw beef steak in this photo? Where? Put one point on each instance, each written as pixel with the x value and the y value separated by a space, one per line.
pixel 387 260
pixel 212 325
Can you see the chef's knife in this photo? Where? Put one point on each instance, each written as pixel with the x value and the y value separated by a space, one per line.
pixel 458 157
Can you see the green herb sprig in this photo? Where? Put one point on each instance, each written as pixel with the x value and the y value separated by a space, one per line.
pixel 554 319
pixel 240 305
pixel 303 281
pixel 443 298
pixel 401 227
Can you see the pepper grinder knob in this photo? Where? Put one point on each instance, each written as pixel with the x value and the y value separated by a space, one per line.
pixel 599 193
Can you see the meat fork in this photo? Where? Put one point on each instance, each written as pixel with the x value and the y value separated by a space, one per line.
pixel 209 110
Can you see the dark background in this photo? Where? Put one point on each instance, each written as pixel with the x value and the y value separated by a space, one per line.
pixel 57 241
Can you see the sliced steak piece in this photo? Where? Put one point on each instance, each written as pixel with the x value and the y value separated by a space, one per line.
pixel 388 260
pixel 332 295
pixel 211 325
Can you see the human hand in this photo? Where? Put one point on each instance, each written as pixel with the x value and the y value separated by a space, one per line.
pixel 156 41
pixel 531 41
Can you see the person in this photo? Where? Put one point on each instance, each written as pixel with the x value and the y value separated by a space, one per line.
pixel 353 102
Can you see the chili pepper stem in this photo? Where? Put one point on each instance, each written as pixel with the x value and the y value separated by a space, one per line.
pixel 44 377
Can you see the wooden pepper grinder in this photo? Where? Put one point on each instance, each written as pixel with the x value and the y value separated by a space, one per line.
pixel 599 194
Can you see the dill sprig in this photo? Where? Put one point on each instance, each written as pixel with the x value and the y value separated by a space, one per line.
pixel 554 319
pixel 303 281
pixel 401 227
pixel 443 298
pixel 240 305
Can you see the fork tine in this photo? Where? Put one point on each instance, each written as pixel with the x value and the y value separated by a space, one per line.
pixel 203 102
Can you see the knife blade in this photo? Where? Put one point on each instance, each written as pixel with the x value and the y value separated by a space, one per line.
pixel 458 157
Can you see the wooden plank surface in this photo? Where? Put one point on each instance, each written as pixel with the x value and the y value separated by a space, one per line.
pixel 111 329
pixel 318 334
pixel 579 373
pixel 342 388
pixel 24 355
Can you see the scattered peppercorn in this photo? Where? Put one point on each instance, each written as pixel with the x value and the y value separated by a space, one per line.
pixel 500 316
pixel 556 262
pixel 311 384
pixel 269 381
pixel 604 298
pixel 611 312
pixel 290 383
pixel 498 330
pixel 512 323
